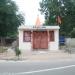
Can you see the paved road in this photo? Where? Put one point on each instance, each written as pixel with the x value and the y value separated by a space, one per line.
pixel 52 67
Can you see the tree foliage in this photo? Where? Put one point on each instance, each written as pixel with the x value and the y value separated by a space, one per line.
pixel 10 18
pixel 63 8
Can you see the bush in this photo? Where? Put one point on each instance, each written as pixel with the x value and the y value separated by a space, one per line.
pixel 17 52
pixel 73 33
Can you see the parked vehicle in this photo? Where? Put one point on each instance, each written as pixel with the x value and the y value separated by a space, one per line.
pixel 62 40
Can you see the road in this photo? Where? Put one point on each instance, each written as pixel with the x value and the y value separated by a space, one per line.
pixel 52 67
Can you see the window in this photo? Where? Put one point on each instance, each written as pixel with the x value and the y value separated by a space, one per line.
pixel 51 34
pixel 27 36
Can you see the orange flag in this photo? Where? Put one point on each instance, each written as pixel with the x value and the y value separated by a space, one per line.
pixel 38 23
pixel 58 19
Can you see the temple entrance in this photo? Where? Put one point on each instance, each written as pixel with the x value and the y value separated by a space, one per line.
pixel 40 40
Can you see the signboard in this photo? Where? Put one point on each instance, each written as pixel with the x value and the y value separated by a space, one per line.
pixel 41 28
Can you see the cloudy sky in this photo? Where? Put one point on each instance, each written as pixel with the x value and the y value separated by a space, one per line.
pixel 30 10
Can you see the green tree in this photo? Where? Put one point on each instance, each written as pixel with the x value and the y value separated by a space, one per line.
pixel 10 18
pixel 63 8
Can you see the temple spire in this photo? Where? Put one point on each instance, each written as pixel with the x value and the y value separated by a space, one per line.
pixel 38 23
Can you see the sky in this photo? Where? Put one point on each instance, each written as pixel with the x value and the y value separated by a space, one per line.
pixel 29 8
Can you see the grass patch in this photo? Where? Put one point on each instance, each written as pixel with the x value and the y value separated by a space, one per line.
pixel 3 49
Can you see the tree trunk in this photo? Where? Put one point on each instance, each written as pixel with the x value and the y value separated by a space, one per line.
pixel 2 43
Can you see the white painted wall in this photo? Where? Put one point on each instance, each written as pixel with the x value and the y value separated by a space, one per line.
pixel 55 44
pixel 23 46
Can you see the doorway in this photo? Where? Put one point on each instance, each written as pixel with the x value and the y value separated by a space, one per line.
pixel 40 40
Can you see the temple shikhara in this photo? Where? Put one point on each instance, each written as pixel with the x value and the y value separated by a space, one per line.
pixel 38 37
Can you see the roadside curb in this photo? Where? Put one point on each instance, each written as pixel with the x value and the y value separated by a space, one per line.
pixel 51 60
pixel 13 61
